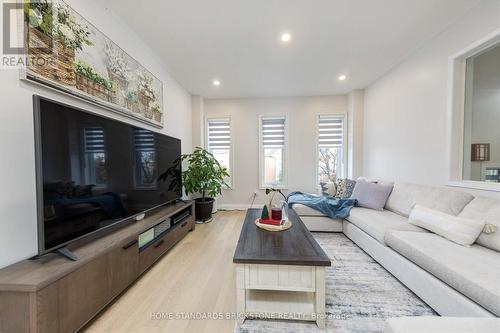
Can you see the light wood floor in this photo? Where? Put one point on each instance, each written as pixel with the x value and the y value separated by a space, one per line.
pixel 197 275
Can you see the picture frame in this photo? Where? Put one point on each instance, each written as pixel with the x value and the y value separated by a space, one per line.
pixel 65 52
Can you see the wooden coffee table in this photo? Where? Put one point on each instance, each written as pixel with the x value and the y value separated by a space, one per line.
pixel 280 275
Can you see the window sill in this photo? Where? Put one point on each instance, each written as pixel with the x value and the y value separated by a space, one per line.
pixel 470 184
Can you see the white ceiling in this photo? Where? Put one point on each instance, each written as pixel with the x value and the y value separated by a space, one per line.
pixel 237 41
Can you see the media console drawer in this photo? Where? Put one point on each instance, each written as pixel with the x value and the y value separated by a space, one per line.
pixel 154 250
pixel 124 265
pixel 184 227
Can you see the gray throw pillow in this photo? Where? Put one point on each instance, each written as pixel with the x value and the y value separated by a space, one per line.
pixel 349 185
pixel 371 195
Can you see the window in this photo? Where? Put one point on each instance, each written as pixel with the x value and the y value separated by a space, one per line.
pixel 481 138
pixel 219 142
pixel 95 156
pixel 146 171
pixel 273 152
pixel 330 148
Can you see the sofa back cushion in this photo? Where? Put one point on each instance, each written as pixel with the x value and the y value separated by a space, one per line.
pixel 488 210
pixel 405 196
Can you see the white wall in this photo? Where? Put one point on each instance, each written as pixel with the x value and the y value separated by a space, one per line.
pixel 198 115
pixel 355 134
pixel 18 227
pixel 405 111
pixel 301 115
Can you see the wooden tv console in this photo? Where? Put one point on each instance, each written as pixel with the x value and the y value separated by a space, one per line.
pixel 52 294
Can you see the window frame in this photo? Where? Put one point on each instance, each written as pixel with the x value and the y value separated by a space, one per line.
pixel 457 65
pixel 345 137
pixel 262 185
pixel 231 145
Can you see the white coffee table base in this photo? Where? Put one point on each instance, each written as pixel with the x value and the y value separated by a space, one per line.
pixel 281 292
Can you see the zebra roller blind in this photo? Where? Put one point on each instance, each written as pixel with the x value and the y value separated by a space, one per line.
pixel 219 134
pixel 273 132
pixel 331 131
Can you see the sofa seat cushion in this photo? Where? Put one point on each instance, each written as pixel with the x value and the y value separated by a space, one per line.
pixel 473 271
pixel 488 210
pixel 376 223
pixel 405 196
pixel 442 325
pixel 303 210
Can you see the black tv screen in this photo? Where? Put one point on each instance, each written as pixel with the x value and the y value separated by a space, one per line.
pixel 94 172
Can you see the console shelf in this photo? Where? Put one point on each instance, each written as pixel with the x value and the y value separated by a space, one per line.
pixel 53 294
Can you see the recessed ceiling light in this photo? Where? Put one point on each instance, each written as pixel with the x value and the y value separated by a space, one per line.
pixel 342 77
pixel 216 83
pixel 286 37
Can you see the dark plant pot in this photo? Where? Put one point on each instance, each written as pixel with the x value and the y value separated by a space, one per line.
pixel 203 209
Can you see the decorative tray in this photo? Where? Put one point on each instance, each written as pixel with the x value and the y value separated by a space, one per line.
pixel 269 227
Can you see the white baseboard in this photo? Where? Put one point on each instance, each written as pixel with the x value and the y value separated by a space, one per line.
pixel 222 206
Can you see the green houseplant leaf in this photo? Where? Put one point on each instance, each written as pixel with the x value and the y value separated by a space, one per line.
pixel 204 174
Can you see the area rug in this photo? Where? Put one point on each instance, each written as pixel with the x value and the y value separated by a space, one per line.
pixel 360 294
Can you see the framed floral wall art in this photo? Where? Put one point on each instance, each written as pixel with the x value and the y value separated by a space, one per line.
pixel 66 52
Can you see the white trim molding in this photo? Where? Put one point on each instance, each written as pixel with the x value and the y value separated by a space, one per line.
pixel 238 206
pixel 456 112
pixel 231 144
pixel 261 184
pixel 345 144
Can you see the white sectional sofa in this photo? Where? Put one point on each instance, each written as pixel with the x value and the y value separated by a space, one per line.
pixel 454 280
pixel 442 325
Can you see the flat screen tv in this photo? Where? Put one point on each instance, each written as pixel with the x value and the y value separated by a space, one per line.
pixel 95 173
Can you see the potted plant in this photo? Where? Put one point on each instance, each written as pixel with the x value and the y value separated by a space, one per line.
pixel 118 71
pixel 91 82
pixel 204 176
pixel 157 115
pixel 146 93
pixel 132 101
pixel 271 192
pixel 268 209
pixel 53 26
pixel 38 18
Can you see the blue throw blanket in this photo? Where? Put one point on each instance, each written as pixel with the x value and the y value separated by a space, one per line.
pixel 334 208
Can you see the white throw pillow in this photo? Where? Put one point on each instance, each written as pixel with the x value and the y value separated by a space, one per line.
pixel 330 189
pixel 488 210
pixel 459 230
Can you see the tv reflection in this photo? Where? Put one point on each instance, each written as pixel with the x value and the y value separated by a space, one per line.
pixel 111 175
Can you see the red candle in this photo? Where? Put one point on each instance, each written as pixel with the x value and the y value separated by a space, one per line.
pixel 276 214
